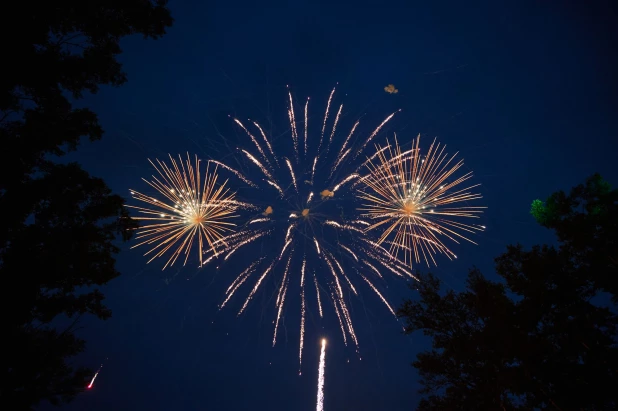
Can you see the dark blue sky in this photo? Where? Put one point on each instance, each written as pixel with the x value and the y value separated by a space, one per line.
pixel 525 92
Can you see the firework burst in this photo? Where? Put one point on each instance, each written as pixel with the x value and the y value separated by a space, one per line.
pixel 417 201
pixel 302 231
pixel 186 211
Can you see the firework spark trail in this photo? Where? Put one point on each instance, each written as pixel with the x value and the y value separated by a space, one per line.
pixel 281 297
pixel 413 196
pixel 257 285
pixel 244 242
pixel 235 172
pixel 375 270
pixel 346 315
pixel 343 333
pixel 289 231
pixel 258 220
pixel 270 148
pixel 242 277
pixel 272 183
pixel 306 126
pixel 231 241
pixel 293 124
pixel 375 132
pixel 315 162
pixel 343 274
pixel 317 292
pixel 317 245
pixel 287 161
pixel 342 154
pixel 339 160
pixel 364 164
pixel 332 134
pixel 341 300
pixel 349 251
pixel 385 264
pixel 321 369
pixel 281 294
pixel 302 315
pixel 285 246
pixel 330 98
pixel 310 197
pixel 257 145
pixel 190 210
pixel 379 295
pixel 257 163
pixel 345 180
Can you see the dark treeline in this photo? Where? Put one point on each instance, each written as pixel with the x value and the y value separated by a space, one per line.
pixel 544 337
pixel 59 224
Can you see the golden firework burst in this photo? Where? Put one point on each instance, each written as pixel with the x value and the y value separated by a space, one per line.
pixel 187 212
pixel 419 199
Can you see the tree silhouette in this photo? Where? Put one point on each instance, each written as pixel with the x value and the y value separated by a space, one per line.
pixel 545 337
pixel 57 238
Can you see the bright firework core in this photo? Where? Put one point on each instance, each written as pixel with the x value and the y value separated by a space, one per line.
pixel 417 201
pixel 409 206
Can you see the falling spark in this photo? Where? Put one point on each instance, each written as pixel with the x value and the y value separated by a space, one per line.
pixel 266 140
pixel 302 315
pixel 257 145
pixel 257 163
pixel 379 295
pixel 345 180
pixel 187 212
pixel 287 161
pixel 287 233
pixel 243 243
pixel 344 275
pixel 235 172
pixel 345 339
pixel 317 292
pixel 258 220
pixel 376 131
pixel 321 369
pixel 255 288
pixel 306 126
pixel 349 251
pixel 315 162
pixel 330 98
pixel 238 282
pixel 281 297
pixel 330 139
pixel 293 124
pixel 272 183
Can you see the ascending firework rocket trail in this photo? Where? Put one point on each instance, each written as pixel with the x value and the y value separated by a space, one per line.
pixel 320 403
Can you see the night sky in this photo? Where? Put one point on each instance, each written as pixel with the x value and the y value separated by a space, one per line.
pixel 525 93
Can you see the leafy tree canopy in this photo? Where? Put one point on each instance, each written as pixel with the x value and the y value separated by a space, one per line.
pixel 539 339
pixel 57 240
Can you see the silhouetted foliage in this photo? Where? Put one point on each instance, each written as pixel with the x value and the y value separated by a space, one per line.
pixel 60 225
pixel 544 338
pixel 586 224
